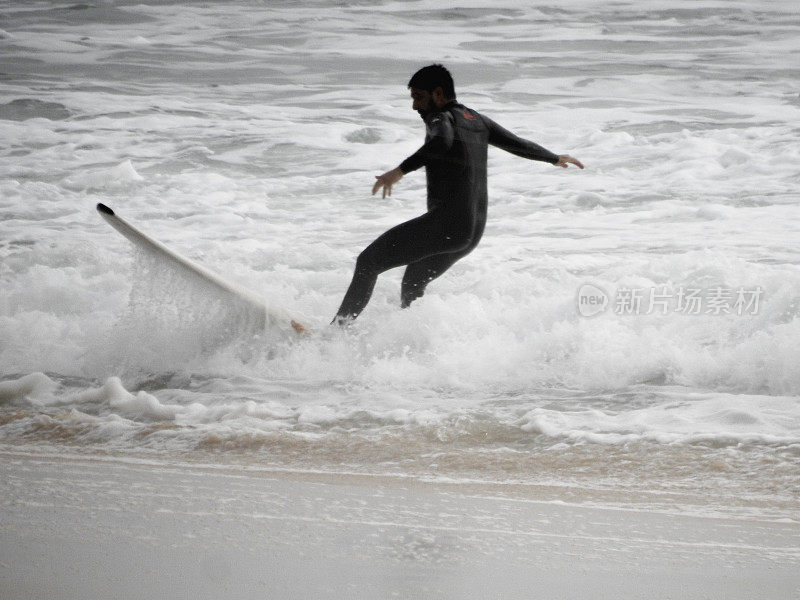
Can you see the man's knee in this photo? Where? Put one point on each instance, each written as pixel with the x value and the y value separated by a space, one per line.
pixel 366 263
pixel 457 242
pixel 462 241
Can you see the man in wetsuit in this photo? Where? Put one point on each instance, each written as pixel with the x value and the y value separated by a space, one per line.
pixel 454 156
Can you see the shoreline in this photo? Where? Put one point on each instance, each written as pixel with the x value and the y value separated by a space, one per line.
pixel 679 502
pixel 84 528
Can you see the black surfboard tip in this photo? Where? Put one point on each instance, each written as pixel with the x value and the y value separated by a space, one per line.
pixel 104 209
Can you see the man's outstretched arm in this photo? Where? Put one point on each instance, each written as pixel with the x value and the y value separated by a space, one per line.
pixel 505 140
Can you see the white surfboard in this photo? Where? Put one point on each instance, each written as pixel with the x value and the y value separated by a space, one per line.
pixel 139 238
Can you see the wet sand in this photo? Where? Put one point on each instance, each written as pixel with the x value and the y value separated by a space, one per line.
pixel 74 528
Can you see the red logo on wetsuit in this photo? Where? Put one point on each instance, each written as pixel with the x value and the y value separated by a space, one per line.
pixel 467 115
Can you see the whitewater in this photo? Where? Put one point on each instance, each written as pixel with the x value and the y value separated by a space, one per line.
pixel 246 136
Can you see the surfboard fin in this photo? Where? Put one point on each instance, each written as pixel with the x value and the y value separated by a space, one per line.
pixel 105 209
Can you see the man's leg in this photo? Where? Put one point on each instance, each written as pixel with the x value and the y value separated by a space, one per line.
pixel 406 243
pixel 419 274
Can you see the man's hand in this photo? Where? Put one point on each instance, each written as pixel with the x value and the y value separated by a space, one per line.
pixel 386 181
pixel 564 159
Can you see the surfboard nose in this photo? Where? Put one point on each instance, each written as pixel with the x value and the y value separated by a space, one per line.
pixel 104 209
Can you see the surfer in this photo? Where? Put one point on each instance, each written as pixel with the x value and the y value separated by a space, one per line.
pixel 454 156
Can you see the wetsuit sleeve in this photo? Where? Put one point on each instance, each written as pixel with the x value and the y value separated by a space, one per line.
pixel 505 140
pixel 440 139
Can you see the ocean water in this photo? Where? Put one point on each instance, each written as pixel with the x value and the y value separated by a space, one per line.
pixel 626 334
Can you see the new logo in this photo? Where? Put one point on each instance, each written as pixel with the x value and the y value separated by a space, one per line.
pixel 592 300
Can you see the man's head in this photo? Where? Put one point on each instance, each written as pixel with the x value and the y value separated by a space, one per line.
pixel 431 88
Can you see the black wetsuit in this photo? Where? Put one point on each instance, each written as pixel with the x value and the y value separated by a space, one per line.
pixel 454 156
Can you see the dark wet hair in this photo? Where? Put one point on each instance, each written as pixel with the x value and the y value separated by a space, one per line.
pixel 433 76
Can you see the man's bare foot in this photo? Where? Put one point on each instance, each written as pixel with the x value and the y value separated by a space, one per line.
pixel 300 329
